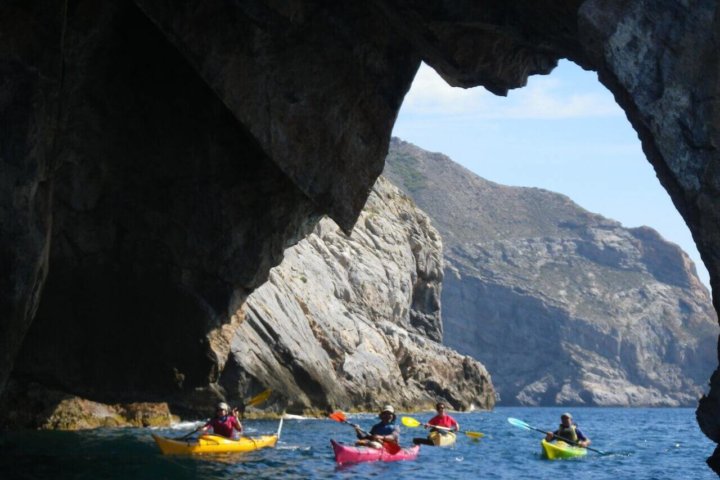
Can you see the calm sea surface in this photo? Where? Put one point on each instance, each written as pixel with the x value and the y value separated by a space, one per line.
pixel 645 444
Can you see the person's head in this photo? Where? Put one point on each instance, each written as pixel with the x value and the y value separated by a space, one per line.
pixel 441 408
pixel 387 414
pixel 222 409
pixel 566 419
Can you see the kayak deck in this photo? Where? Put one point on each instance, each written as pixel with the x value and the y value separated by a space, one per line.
pixel 442 439
pixel 560 449
pixel 213 444
pixel 351 454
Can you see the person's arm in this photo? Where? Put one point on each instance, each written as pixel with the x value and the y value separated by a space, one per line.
pixel 549 436
pixel 456 425
pixel 206 427
pixel 237 425
pixel 583 441
pixel 393 437
pixel 361 435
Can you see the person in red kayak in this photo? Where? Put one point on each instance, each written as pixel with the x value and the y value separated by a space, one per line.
pixel 224 424
pixel 442 419
pixel 383 432
pixel 568 431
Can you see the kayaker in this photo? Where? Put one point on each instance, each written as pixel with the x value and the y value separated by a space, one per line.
pixel 568 430
pixel 223 423
pixel 384 431
pixel 442 419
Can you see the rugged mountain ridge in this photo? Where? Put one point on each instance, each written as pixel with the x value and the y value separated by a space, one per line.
pixel 354 321
pixel 562 305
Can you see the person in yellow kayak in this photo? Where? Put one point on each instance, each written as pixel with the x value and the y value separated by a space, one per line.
pixel 223 423
pixel 442 419
pixel 384 431
pixel 568 430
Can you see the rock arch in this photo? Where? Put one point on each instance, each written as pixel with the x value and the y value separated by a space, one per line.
pixel 118 119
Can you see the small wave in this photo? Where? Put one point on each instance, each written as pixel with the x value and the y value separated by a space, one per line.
pixel 185 425
pixel 302 448
pixel 290 416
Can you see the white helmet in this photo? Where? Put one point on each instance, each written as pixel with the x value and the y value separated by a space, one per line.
pixel 223 406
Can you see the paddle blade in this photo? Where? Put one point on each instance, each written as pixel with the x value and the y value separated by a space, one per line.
pixel 338 417
pixel 519 423
pixel 410 422
pixel 259 398
pixel 475 434
pixel 391 447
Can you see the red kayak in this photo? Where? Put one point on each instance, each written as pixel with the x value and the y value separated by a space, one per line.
pixel 348 454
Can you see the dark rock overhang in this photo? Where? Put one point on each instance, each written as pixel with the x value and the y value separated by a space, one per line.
pixel 120 118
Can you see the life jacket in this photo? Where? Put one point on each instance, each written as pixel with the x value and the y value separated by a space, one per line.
pixel 383 428
pixel 568 433
pixel 443 421
pixel 224 425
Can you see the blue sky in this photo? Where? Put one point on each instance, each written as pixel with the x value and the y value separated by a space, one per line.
pixel 562 132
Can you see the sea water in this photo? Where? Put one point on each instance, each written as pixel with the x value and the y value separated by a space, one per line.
pixel 640 443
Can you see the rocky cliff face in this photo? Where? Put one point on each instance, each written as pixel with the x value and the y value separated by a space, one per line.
pixel 623 316
pixel 354 321
pixel 113 109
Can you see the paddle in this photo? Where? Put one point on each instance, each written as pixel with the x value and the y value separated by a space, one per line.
pixel 257 399
pixel 412 423
pixel 519 423
pixel 391 447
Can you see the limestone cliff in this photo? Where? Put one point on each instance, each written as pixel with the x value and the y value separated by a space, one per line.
pixel 354 321
pixel 562 305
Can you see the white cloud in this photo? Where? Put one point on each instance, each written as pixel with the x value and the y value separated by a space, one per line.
pixel 544 98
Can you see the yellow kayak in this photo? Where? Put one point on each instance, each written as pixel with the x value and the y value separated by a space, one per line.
pixel 560 449
pixel 213 444
pixel 442 439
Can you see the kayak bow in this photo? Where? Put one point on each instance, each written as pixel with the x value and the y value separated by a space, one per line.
pixel 560 449
pixel 349 454
pixel 213 444
pixel 442 439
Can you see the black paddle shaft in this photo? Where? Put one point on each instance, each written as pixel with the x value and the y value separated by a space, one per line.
pixel 355 426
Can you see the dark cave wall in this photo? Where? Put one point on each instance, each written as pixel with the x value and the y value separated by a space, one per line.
pixel 30 73
pixel 662 65
pixel 157 157
pixel 165 208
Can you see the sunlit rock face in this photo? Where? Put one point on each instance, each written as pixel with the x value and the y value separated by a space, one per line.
pixel 306 89
pixel 564 306
pixel 354 322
